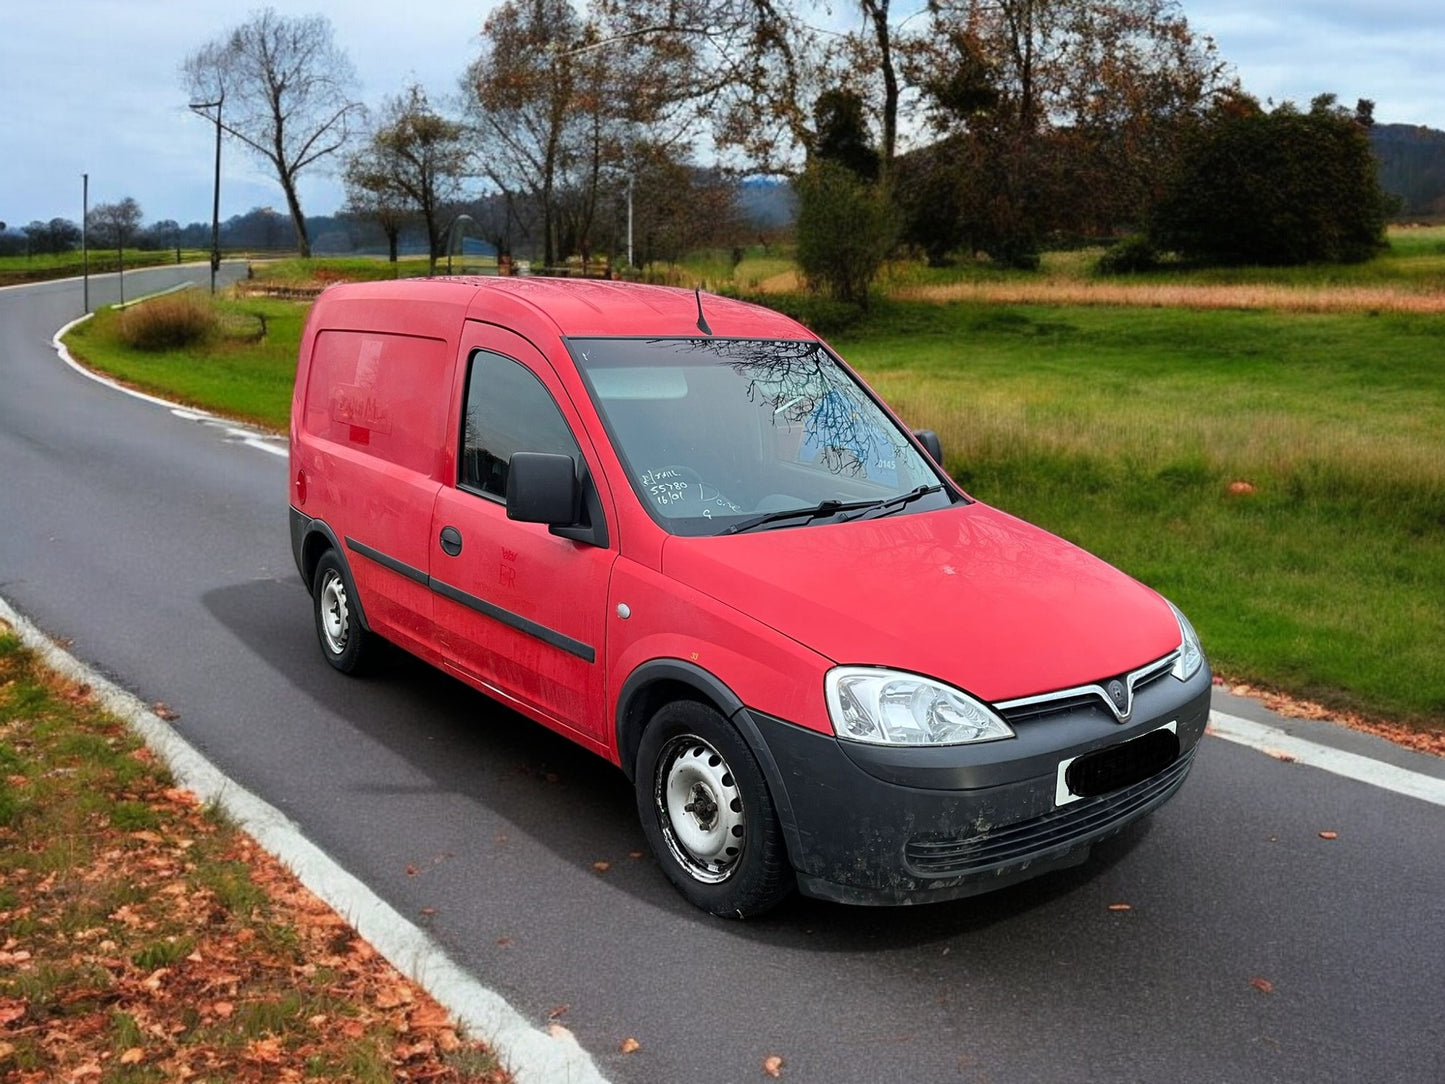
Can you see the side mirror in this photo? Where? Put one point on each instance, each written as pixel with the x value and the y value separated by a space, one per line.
pixel 931 444
pixel 542 488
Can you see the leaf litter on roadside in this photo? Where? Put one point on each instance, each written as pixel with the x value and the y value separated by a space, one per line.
pixel 140 934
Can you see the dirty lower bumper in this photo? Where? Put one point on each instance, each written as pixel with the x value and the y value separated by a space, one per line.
pixel 872 825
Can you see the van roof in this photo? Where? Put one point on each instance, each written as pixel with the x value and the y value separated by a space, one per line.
pixel 584 307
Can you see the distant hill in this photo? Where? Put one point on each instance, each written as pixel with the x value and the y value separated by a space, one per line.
pixel 768 203
pixel 1412 166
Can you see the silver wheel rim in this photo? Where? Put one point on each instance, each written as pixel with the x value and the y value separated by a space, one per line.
pixel 335 613
pixel 700 809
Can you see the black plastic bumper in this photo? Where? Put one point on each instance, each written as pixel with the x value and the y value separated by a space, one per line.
pixel 888 825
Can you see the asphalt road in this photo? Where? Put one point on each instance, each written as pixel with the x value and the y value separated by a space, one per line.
pixel 1253 949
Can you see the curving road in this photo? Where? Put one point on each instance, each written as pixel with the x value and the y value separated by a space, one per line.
pixel 158 545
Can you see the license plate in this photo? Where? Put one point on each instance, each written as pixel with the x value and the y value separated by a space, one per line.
pixel 1064 794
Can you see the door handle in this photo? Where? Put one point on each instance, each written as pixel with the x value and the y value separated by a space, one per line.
pixel 451 541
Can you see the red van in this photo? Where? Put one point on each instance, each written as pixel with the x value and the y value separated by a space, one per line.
pixel 679 530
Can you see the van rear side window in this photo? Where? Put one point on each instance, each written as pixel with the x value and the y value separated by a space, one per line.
pixel 382 393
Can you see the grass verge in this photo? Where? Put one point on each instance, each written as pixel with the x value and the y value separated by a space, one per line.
pixel 324 271
pixel 143 939
pixel 245 367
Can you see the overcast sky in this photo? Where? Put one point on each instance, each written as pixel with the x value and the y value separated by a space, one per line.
pixel 93 86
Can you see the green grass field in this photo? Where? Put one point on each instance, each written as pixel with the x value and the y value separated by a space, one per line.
pixel 1127 429
pixel 292 271
pixel 20 269
pixel 1123 430
pixel 1414 260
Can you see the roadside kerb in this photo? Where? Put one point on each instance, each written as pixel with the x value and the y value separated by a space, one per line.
pixel 532 1055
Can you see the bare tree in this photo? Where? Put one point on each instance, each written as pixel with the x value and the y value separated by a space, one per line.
pixel 750 68
pixel 1060 116
pixel 679 206
pixel 415 160
pixel 370 195
pixel 875 14
pixel 285 91
pixel 539 108
pixel 57 235
pixel 115 224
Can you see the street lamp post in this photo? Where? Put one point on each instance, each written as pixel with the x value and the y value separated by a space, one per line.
pixel 456 225
pixel 200 109
pixel 84 240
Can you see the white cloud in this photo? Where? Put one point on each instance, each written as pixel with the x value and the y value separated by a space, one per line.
pixel 1388 52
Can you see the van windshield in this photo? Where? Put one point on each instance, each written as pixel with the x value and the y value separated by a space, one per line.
pixel 722 435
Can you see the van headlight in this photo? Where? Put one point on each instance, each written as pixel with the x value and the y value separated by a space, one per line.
pixel 1191 655
pixel 890 707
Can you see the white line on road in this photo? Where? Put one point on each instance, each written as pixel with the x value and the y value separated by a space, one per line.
pixel 251 438
pixel 534 1056
pixel 1276 742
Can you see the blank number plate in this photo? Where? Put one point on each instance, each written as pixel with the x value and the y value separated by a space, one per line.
pixel 1064 793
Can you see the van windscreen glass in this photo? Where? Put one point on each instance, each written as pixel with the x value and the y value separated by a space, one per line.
pixel 721 435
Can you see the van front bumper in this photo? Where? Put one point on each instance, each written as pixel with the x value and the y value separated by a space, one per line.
pixel 869 824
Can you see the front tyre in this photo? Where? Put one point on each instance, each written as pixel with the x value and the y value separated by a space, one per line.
pixel 707 813
pixel 344 642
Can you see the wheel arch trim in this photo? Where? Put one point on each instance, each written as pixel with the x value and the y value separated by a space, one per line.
pixel 638 696
pixel 310 539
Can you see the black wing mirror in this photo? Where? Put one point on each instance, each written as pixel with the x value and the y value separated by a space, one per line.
pixel 542 488
pixel 931 444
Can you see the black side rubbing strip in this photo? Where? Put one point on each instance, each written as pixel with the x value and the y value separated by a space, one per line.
pixel 399 567
pixel 556 639
pixel 516 621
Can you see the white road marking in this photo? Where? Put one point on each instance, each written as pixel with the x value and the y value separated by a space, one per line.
pixel 534 1056
pixel 251 438
pixel 1274 741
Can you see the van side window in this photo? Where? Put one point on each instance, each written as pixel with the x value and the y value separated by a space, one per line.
pixel 507 410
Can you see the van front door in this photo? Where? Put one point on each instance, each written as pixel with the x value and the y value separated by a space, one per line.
pixel 520 611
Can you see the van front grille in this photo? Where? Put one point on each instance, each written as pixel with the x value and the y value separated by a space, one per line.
pixel 933 856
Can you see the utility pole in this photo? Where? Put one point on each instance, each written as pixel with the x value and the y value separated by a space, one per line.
pixel 200 109
pixel 84 244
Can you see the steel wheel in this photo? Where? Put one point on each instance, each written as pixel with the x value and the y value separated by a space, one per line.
pixel 343 637
pixel 708 814
pixel 700 809
pixel 335 612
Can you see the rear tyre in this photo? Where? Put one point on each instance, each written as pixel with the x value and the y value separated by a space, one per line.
pixel 708 815
pixel 344 642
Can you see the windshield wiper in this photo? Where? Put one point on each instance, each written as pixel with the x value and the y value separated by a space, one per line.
pixel 827 508
pixel 807 515
pixel 892 504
